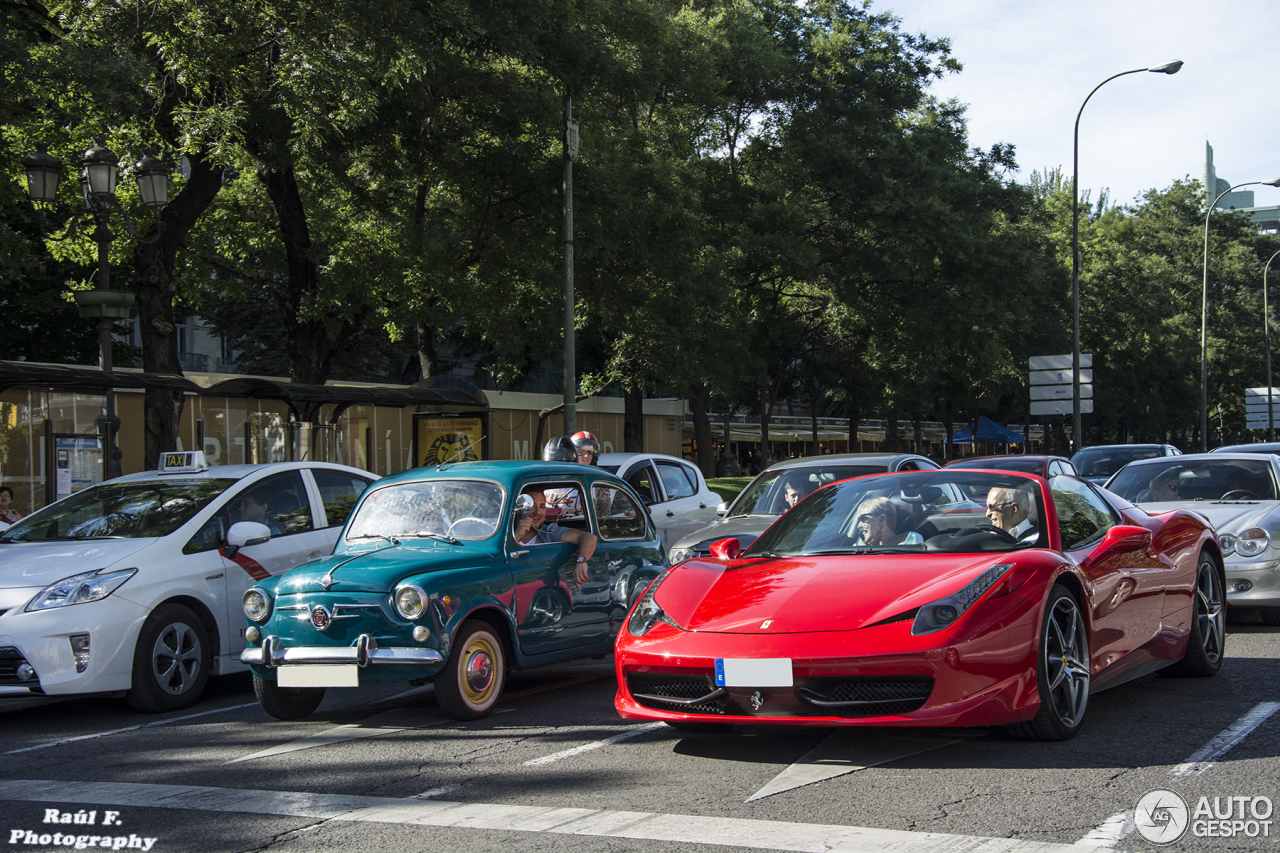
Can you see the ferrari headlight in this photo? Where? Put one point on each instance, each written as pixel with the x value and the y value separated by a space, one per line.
pixel 1228 543
pixel 411 601
pixel 257 604
pixel 1252 542
pixel 647 613
pixel 79 589
pixel 679 555
pixel 940 614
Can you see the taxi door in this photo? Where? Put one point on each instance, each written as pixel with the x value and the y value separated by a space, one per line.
pixel 294 541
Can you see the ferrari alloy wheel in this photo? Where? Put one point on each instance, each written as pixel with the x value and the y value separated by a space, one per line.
pixel 1062 671
pixel 469 685
pixel 286 703
pixel 1208 634
pixel 170 661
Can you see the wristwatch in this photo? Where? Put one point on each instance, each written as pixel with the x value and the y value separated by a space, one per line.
pixel 581 559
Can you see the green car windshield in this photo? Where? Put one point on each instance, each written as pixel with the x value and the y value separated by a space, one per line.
pixel 135 510
pixel 458 509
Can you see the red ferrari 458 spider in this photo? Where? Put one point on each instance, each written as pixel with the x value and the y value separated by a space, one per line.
pixel 932 598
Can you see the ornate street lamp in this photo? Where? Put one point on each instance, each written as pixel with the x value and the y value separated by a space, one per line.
pixel 99 170
pixel 1076 433
pixel 1204 316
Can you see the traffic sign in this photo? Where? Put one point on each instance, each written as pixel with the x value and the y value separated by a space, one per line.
pixel 1059 392
pixel 1059 362
pixel 1059 377
pixel 1060 407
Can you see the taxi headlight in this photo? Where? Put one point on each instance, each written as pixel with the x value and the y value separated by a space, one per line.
pixel 79 589
pixel 411 601
pixel 1252 542
pixel 940 614
pixel 257 604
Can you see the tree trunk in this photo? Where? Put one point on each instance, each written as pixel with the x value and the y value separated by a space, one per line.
pixel 427 356
pixel 703 440
pixel 154 281
pixel 633 421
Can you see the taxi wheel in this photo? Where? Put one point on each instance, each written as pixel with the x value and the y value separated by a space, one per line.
pixel 286 703
pixel 469 685
pixel 170 662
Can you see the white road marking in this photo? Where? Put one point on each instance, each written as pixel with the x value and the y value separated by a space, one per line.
pixel 1207 755
pixel 597 823
pixel 1111 831
pixel 129 728
pixel 388 722
pixel 847 750
pixel 587 747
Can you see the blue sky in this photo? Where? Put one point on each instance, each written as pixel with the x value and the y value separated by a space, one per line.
pixel 1029 64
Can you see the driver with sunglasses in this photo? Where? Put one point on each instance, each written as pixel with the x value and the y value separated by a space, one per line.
pixel 1010 510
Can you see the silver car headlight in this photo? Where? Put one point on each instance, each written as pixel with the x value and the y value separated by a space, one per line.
pixel 1227 541
pixel 80 589
pixel 257 604
pixel 411 601
pixel 942 613
pixel 679 555
pixel 1252 542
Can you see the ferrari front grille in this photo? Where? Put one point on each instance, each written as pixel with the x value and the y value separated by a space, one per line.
pixel 868 695
pixel 690 694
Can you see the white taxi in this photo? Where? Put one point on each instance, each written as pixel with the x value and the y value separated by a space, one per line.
pixel 132 587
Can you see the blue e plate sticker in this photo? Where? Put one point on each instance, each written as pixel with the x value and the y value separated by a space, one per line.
pixel 748 672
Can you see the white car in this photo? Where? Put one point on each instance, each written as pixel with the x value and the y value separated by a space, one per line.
pixel 133 586
pixel 674 490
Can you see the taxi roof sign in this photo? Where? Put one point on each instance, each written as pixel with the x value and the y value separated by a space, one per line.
pixel 182 462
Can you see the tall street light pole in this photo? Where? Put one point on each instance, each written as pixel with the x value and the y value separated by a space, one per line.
pixel 98 187
pixel 570 368
pixel 1266 326
pixel 1204 316
pixel 1076 433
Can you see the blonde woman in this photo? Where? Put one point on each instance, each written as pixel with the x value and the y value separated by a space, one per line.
pixel 876 521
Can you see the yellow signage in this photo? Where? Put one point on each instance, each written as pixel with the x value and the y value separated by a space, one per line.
pixel 443 440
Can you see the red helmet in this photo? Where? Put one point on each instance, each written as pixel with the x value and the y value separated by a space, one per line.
pixel 585 441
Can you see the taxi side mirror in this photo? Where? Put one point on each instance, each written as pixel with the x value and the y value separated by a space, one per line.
pixel 243 534
pixel 722 509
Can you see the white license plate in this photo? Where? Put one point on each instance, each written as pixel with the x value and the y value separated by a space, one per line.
pixel 318 675
pixel 747 672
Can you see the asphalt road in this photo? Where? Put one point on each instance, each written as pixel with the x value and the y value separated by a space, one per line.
pixel 555 769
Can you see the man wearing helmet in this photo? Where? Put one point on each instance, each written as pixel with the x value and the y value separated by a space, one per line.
pixel 560 449
pixel 586 447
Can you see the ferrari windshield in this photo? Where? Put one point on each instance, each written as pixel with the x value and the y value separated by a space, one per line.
pixel 430 509
pixel 131 510
pixel 767 494
pixel 1179 479
pixel 909 512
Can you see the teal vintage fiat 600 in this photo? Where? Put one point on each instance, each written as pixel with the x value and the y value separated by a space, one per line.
pixel 429 581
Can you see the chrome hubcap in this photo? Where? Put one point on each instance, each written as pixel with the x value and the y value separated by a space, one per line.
pixel 479 671
pixel 1066 651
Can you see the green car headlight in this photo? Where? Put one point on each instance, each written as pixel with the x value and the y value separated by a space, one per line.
pixel 411 601
pixel 257 605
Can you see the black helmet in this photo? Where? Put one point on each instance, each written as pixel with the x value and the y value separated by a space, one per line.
pixel 584 440
pixel 560 449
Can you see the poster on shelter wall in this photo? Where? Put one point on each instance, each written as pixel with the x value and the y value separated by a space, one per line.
pixel 443 440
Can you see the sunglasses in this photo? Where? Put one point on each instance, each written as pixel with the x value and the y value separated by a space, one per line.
pixel 999 507
pixel 867 519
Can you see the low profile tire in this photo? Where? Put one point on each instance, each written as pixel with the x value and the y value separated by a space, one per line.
pixel 286 703
pixel 170 661
pixel 1208 638
pixel 469 685
pixel 1062 671
pixel 1270 616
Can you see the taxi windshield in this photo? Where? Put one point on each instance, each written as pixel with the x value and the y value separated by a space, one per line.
pixel 135 510
pixel 430 509
pixel 952 510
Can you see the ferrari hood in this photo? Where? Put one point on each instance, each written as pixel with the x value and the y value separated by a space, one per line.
pixel 379 570
pixel 1225 516
pixel 829 593
pixel 38 564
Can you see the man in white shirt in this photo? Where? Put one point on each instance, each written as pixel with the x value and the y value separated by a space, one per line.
pixel 1011 511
